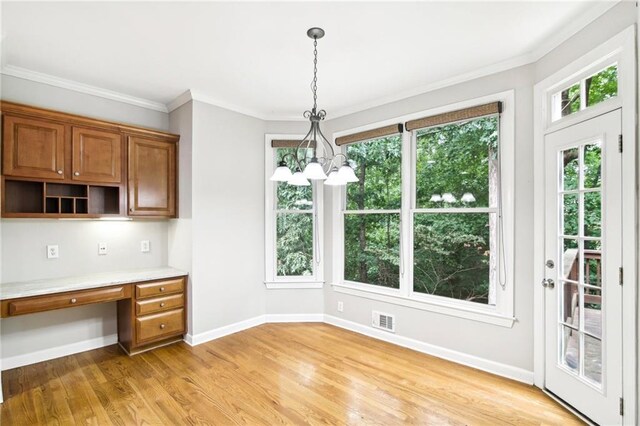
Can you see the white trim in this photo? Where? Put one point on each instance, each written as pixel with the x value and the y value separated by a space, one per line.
pixel 623 48
pixel 280 285
pixel 503 313
pixel 432 305
pixel 280 318
pixel 58 351
pixel 225 330
pixel 478 363
pixel 63 83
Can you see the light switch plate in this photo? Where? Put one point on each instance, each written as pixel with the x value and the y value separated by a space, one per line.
pixel 52 252
pixel 145 246
pixel 102 249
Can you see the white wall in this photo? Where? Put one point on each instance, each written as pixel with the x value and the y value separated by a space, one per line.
pixel 227 217
pixel 23 241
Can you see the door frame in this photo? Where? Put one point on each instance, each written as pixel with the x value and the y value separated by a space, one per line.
pixel 621 48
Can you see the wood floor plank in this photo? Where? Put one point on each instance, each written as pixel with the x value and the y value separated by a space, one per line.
pixel 274 374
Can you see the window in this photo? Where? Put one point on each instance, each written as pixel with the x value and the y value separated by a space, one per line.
pixel 372 214
pixel 585 93
pixel 455 218
pixel 292 224
pixel 426 225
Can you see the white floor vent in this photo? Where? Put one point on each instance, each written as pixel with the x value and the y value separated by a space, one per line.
pixel 384 321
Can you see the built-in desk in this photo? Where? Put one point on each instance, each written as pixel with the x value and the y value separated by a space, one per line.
pixel 151 302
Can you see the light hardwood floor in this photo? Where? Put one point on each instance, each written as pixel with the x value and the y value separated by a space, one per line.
pixel 271 374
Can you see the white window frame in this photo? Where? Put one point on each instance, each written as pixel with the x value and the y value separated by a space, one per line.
pixel 272 280
pixel 502 314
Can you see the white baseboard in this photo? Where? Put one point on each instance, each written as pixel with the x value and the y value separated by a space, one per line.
pixel 478 363
pixel 216 333
pixel 58 351
pixel 294 318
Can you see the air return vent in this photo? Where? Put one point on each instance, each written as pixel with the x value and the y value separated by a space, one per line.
pixel 384 321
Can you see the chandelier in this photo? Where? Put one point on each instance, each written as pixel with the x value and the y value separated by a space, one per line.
pixel 315 158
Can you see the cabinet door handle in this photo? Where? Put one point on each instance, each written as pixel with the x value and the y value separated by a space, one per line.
pixel 59 172
pixel 76 173
pixel 161 288
pixel 162 305
pixel 74 300
pixel 162 326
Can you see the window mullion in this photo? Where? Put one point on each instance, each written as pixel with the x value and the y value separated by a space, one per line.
pixel 405 219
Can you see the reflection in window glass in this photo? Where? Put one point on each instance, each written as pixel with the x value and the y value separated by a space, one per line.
pixel 456 165
pixel 452 255
pixel 570 100
pixel 372 249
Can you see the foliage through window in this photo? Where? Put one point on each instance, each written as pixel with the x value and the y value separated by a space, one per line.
pixel 372 215
pixel 455 222
pixel 587 92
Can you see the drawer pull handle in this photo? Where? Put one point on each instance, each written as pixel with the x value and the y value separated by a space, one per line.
pixel 59 172
pixel 76 173
pixel 161 288
pixel 74 300
pixel 162 326
pixel 162 305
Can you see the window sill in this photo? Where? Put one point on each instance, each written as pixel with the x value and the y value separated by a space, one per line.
pixel 454 311
pixel 287 285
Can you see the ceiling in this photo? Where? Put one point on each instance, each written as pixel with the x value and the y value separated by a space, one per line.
pixel 255 57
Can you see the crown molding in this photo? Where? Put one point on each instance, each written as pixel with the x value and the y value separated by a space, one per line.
pixel 51 80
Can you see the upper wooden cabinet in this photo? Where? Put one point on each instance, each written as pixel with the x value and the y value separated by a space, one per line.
pixel 96 155
pixel 152 177
pixel 63 165
pixel 33 148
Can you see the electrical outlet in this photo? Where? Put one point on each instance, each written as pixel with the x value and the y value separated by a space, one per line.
pixel 52 252
pixel 340 306
pixel 102 249
pixel 145 246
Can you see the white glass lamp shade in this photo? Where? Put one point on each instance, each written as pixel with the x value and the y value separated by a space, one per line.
pixel 347 174
pixel 298 179
pixel 282 173
pixel 314 171
pixel 448 197
pixel 334 178
pixel 468 197
pixel 435 198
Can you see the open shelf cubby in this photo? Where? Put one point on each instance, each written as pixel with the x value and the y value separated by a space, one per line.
pixel 44 199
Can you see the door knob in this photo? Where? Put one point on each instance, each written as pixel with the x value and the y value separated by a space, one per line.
pixel 550 264
pixel 548 283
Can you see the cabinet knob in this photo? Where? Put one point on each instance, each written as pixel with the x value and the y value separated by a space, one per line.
pixel 59 172
pixel 76 173
pixel 162 305
pixel 74 300
pixel 162 326
pixel 161 288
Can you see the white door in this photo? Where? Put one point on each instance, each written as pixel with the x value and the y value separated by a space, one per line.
pixel 583 250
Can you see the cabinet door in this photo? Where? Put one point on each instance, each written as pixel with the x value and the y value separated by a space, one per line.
pixel 32 148
pixel 97 155
pixel 152 177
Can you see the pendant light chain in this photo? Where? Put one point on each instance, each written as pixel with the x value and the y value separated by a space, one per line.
pixel 314 83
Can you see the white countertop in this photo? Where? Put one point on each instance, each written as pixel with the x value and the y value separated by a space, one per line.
pixel 15 290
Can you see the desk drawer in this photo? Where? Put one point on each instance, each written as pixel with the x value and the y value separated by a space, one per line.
pixel 34 304
pixel 159 304
pixel 165 324
pixel 159 288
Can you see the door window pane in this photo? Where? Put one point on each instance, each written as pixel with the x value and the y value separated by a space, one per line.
pixel 570 214
pixel 570 260
pixel 377 163
pixel 593 311
pixel 592 214
pixel 592 263
pixel 570 348
pixel 602 86
pixel 593 358
pixel 459 160
pixel 372 249
pixel 452 255
pixel 294 241
pixel 592 157
pixel 571 168
pixel 570 304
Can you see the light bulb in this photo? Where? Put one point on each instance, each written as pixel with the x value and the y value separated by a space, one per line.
pixel 334 178
pixel 314 170
pixel 347 174
pixel 298 179
pixel 282 173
